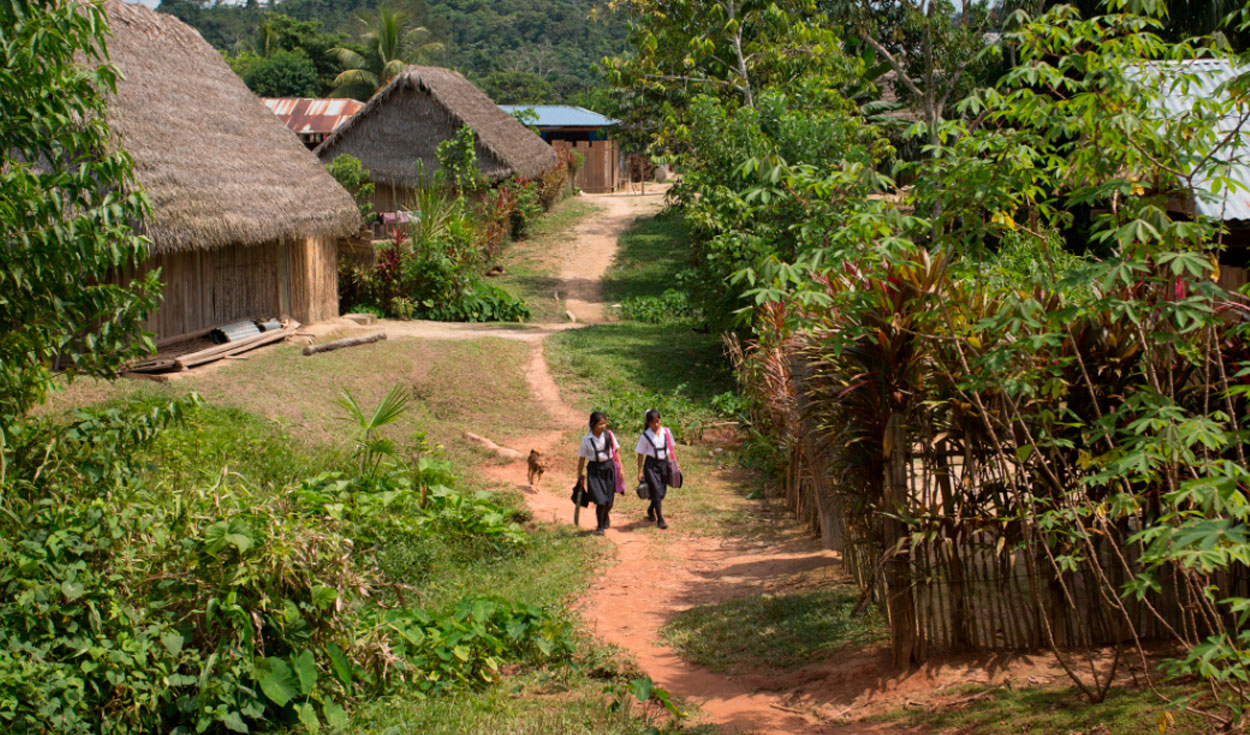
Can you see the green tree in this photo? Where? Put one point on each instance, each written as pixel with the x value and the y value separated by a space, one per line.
pixel 68 203
pixel 516 88
pixel 729 49
pixel 391 42
pixel 282 73
pixel 353 176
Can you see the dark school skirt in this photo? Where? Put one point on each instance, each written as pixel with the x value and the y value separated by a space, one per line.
pixel 655 473
pixel 601 483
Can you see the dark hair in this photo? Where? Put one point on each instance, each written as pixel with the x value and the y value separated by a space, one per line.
pixel 596 417
pixel 646 418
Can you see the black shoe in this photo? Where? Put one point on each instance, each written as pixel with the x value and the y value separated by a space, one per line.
pixel 650 517
pixel 661 524
pixel 598 532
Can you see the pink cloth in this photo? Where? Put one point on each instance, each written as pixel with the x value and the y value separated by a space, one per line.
pixel 616 464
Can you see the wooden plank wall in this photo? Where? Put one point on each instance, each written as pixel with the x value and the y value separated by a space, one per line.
pixel 314 280
pixel 600 174
pixel 208 288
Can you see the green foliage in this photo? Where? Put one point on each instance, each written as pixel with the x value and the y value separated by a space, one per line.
pixel 557 41
pixel 144 597
pixel 353 176
pixel 516 88
pixel 467 645
pixel 391 41
pixel 282 73
pixel 672 306
pixel 1104 392
pixel 69 205
pixel 457 162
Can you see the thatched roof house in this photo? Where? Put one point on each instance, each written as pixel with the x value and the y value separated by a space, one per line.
pixel 396 134
pixel 245 220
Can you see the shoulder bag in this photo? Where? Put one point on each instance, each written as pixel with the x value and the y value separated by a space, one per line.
pixel 674 469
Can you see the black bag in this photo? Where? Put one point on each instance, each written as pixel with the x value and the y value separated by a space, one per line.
pixel 644 490
pixel 580 495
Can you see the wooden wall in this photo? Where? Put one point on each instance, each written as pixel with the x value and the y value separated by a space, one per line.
pixel 208 288
pixel 599 175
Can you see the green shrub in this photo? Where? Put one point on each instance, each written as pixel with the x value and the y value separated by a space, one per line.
pixel 139 595
pixel 670 307
pixel 353 176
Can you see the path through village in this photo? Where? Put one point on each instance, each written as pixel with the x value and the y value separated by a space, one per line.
pixel 651 578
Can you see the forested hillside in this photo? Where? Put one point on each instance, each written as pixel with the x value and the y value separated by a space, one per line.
pixel 518 50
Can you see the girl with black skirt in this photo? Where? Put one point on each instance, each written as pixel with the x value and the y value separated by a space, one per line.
pixel 653 449
pixel 596 467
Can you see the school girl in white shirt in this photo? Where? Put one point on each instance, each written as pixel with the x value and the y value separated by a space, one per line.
pixel 596 466
pixel 653 448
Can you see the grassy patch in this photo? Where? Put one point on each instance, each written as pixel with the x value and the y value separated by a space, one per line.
pixel 651 256
pixel 981 710
pixel 532 266
pixel 777 632
pixel 628 367
pixel 455 386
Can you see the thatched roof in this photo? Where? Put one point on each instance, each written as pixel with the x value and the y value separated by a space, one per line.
pixel 219 167
pixel 404 123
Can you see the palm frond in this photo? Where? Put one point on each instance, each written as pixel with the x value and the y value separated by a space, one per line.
pixel 348 58
pixel 391 408
pixel 354 414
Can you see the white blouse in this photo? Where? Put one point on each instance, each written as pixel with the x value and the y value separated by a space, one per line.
pixel 655 446
pixel 596 449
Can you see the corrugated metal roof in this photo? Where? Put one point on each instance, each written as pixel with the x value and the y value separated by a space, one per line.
pixel 307 115
pixel 563 116
pixel 1181 85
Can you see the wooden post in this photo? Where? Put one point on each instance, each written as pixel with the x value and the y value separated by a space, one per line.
pixel 904 635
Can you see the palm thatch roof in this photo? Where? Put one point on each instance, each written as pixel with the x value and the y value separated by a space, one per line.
pixel 219 167
pixel 396 134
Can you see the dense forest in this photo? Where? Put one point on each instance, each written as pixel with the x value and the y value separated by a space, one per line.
pixel 519 51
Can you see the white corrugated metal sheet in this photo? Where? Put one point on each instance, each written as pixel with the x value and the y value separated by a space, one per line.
pixel 1182 85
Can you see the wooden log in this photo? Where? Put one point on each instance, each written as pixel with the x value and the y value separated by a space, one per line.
pixel 339 344
pixel 216 352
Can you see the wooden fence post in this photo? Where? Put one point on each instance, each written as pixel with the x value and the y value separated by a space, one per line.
pixel 904 632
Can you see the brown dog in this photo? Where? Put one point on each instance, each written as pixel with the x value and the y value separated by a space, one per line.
pixel 537 466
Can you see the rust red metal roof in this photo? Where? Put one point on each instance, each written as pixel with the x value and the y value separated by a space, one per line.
pixel 306 115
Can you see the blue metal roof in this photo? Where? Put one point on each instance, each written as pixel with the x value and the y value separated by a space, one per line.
pixel 1180 87
pixel 563 116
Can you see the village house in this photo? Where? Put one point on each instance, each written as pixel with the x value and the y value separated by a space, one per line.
pixel 569 127
pixel 397 133
pixel 245 220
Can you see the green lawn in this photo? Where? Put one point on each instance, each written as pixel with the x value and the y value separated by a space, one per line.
pixel 651 257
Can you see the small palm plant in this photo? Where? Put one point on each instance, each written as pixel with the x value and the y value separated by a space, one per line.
pixel 371 447
pixel 392 43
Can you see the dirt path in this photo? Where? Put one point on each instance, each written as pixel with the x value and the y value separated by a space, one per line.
pixel 652 577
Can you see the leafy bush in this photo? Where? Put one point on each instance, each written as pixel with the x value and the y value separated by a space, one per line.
pixel 466 645
pixel 671 306
pixel 528 207
pixel 353 176
pixel 138 596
